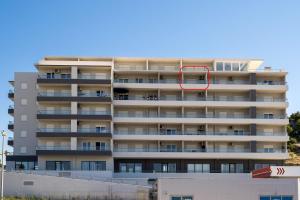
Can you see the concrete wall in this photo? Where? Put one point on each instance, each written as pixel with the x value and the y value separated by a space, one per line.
pixel 30 125
pixel 20 184
pixel 219 187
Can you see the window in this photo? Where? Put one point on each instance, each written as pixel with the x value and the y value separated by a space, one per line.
pixel 235 67
pixel 219 66
pixel 139 80
pixel 130 167
pixel 23 117
pixel 232 168
pixel 198 168
pixel 23 149
pixel 58 165
pixel 227 66
pixel 268 116
pixel 262 165
pixel 93 165
pixel 24 102
pixel 276 197
pixel 181 198
pixel 24 165
pixel 164 167
pixel 23 133
pixel 24 86
pixel 100 129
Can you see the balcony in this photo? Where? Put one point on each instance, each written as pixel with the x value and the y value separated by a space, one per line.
pixel 66 132
pixel 10 125
pixel 66 150
pixel 11 110
pixel 67 79
pixel 197 152
pixel 11 94
pixel 10 141
pixel 66 96
pixel 66 114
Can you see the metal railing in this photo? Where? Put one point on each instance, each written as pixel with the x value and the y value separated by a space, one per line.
pixel 93 94
pixel 54 112
pixel 92 112
pixel 92 130
pixel 94 148
pixel 51 130
pixel 54 94
pixel 54 76
pixel 51 148
pixel 92 76
pixel 185 149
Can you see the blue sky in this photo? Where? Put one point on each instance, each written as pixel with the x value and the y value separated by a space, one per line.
pixel 266 29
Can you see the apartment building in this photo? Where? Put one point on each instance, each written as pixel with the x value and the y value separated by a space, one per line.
pixel 148 115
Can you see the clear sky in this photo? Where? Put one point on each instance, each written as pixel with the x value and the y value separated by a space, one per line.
pixel 266 29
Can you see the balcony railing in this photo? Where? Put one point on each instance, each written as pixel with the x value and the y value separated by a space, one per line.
pixel 54 76
pixel 195 98
pixel 271 83
pixel 52 130
pixel 54 94
pixel 92 130
pixel 54 112
pixel 191 150
pixel 262 116
pixel 270 150
pixel 94 148
pixel 229 133
pixel 91 76
pixel 93 94
pixel 53 148
pixel 198 115
pixel 92 112
pixel 80 148
pixel 176 81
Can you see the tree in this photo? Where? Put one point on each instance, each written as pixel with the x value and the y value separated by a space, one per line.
pixel 293 130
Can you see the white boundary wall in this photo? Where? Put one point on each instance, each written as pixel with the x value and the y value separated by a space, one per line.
pixel 20 184
pixel 230 188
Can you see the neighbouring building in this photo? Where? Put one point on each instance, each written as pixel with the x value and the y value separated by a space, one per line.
pixel 148 115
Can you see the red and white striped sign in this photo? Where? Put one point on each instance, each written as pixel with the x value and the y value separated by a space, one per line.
pixel 277 171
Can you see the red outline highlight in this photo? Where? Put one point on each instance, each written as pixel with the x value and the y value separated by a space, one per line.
pixel 180 73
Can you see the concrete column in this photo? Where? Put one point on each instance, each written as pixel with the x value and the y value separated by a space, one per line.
pixel 252 146
pixel 74 125
pixel 74 72
pixel 253 129
pixel 252 95
pixel 182 146
pixel 252 78
pixel 252 112
pixel 74 90
pixel 74 108
pixel 73 143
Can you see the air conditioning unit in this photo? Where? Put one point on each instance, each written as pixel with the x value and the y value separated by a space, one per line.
pixel 230 127
pixel 57 70
pixel 230 144
pixel 230 78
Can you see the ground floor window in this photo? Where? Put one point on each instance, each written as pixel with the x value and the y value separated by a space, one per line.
pixel 130 167
pixel 164 167
pixel 58 165
pixel 181 198
pixel 25 165
pixel 198 168
pixel 276 197
pixel 93 165
pixel 232 168
pixel 263 165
